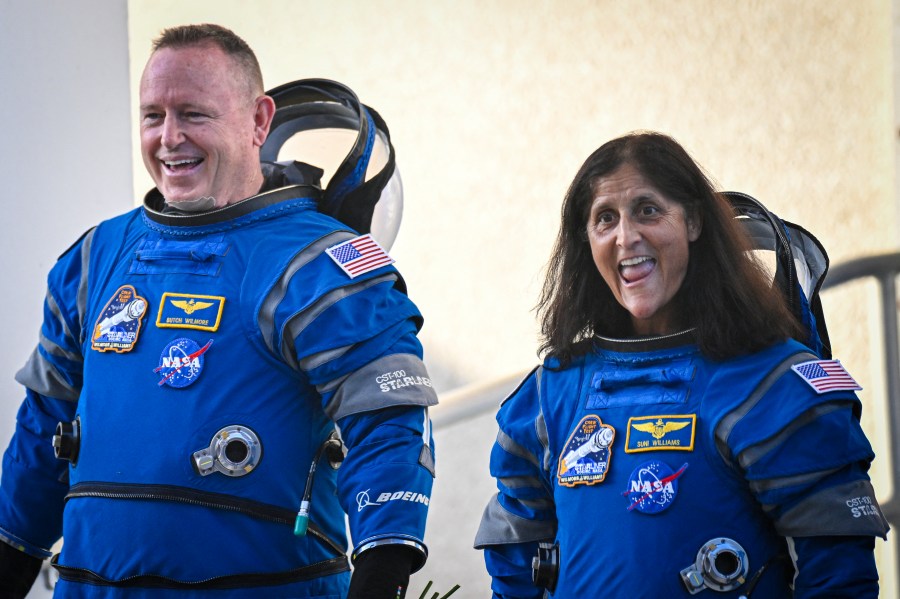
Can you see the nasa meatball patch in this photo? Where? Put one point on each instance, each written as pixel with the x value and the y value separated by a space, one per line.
pixel 586 455
pixel 181 362
pixel 119 323
pixel 652 487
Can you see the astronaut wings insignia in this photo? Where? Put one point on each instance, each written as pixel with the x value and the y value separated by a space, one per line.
pixel 191 305
pixel 672 432
pixel 190 311
pixel 659 428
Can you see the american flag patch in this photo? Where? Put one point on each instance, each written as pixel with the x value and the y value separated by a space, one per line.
pixel 826 375
pixel 359 256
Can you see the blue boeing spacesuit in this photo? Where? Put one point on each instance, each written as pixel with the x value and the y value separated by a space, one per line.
pixel 657 472
pixel 198 364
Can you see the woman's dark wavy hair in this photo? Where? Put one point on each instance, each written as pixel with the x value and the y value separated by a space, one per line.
pixel 727 296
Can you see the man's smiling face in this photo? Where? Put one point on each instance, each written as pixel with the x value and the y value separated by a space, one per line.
pixel 200 132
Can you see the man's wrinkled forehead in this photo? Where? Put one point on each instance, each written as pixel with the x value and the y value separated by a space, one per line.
pixel 201 64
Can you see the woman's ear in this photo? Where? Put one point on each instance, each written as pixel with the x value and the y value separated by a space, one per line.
pixel 694 226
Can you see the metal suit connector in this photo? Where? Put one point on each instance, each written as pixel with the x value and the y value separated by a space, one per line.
pixel 234 451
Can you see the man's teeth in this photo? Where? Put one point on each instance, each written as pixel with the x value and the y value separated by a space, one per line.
pixel 174 163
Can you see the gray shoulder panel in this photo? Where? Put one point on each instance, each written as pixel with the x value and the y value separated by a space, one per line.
pixel 540 425
pixel 394 380
pixel 727 423
pixel 846 509
pixel 41 376
pixel 521 482
pixel 806 479
pixel 278 291
pixel 83 283
pixel 55 350
pixel 297 323
pixel 53 307
pixel 499 526
pixel 752 454
pixel 513 448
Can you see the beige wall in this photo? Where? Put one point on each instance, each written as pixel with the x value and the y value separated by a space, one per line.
pixel 493 105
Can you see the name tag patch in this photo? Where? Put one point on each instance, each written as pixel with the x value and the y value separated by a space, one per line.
pixel 119 323
pixel 666 432
pixel 586 455
pixel 187 311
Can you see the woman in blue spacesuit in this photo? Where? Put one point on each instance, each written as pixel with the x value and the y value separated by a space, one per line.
pixel 676 440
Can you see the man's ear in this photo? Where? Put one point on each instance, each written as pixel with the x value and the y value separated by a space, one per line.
pixel 262 118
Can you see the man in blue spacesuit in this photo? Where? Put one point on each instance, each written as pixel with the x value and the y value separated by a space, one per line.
pixel 202 357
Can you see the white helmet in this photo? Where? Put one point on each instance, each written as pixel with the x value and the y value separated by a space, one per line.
pixel 315 121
